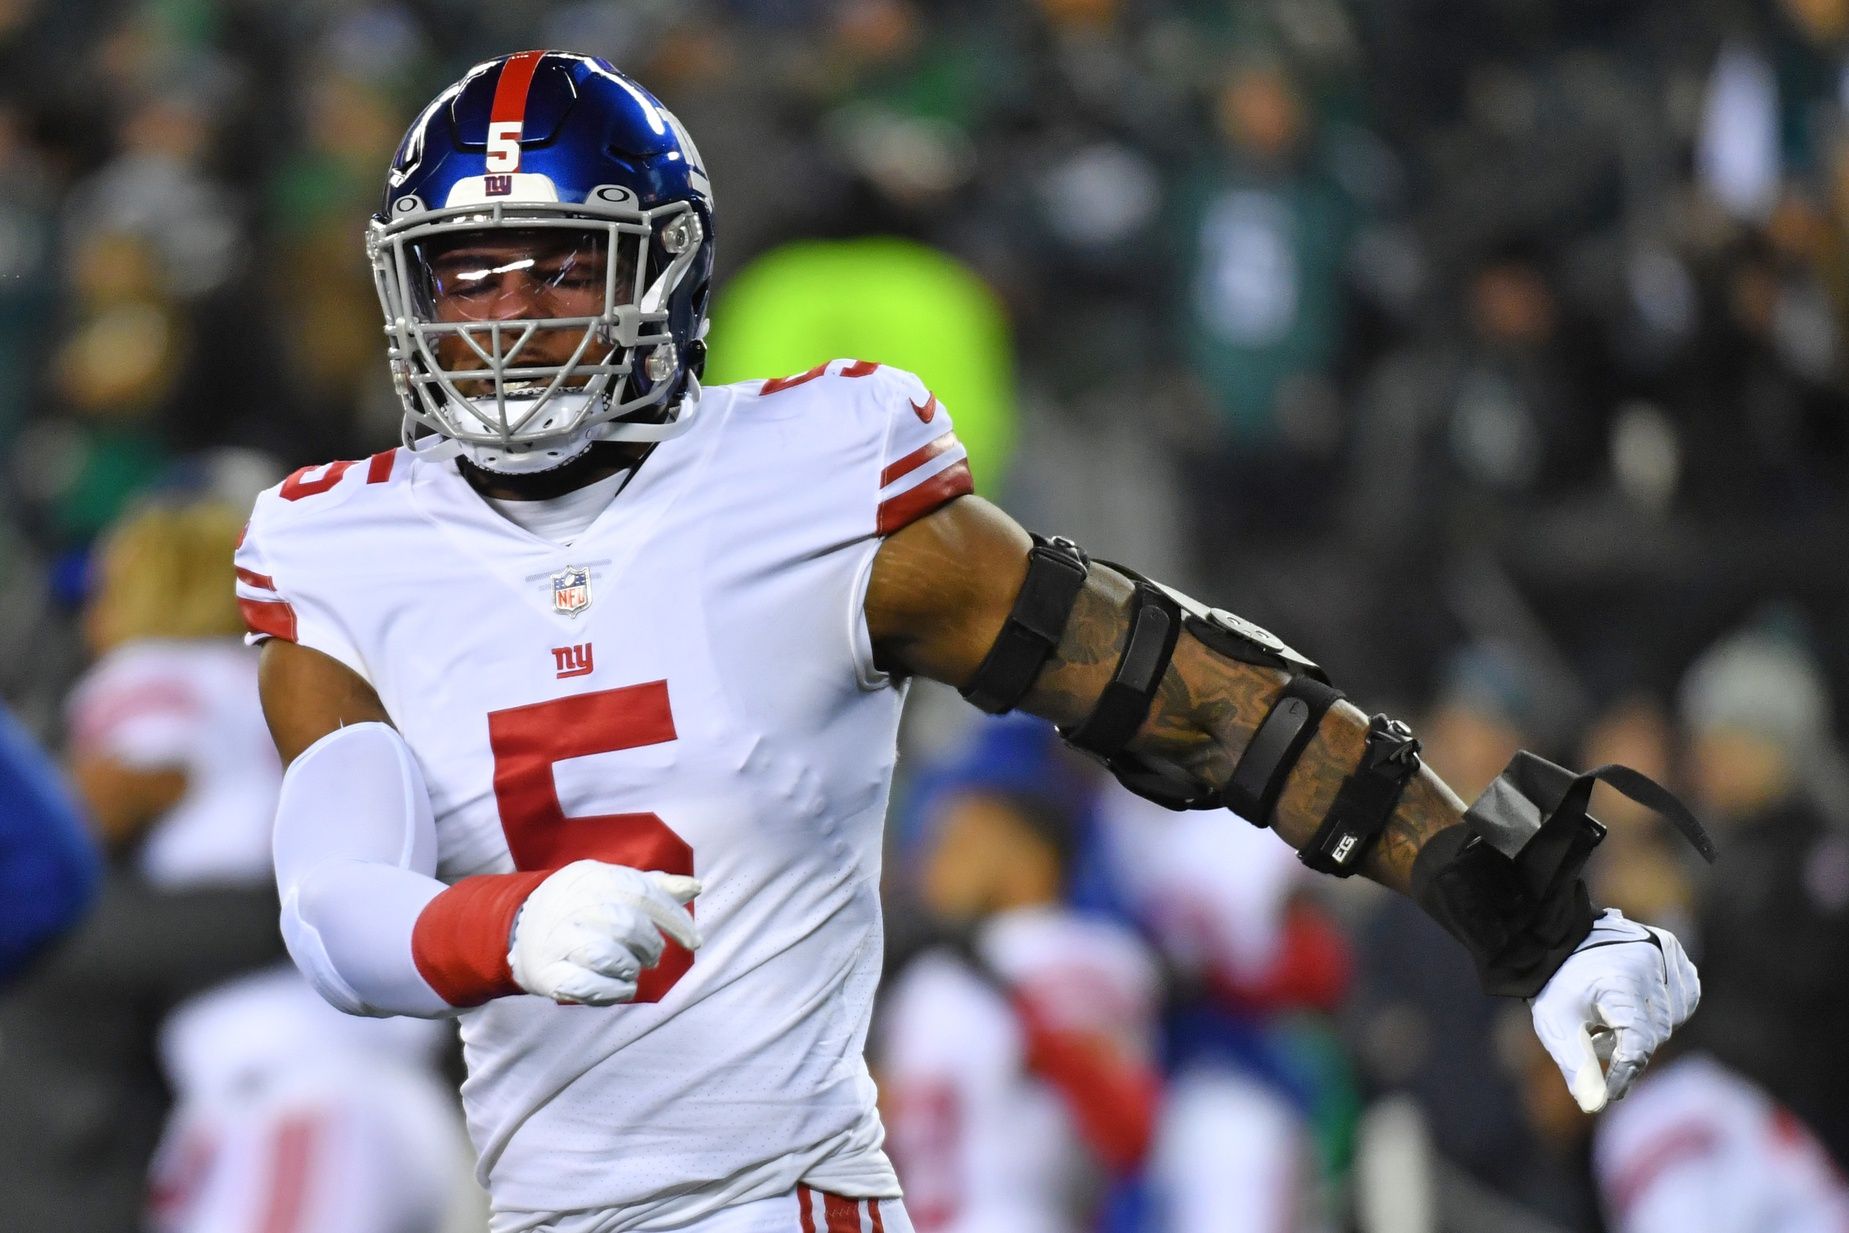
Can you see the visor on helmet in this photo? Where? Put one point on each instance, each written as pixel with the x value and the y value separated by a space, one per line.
pixel 519 273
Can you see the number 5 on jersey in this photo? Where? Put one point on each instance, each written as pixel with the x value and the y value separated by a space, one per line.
pixel 528 740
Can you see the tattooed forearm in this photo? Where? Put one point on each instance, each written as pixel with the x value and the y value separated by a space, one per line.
pixel 1206 711
pixel 942 588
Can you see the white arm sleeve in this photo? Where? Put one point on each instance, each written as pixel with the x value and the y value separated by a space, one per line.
pixel 356 854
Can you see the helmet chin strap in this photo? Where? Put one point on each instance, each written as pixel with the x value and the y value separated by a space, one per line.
pixel 550 454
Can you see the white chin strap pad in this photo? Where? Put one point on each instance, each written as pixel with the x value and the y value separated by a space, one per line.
pixel 545 455
pixel 355 850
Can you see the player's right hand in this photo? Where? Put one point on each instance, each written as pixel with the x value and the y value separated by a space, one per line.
pixel 1631 983
pixel 587 933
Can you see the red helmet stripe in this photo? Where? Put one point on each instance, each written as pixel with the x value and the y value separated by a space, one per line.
pixel 511 89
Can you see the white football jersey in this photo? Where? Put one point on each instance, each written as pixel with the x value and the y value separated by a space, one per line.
pixel 188 705
pixel 689 687
pixel 1696 1146
pixel 986 1145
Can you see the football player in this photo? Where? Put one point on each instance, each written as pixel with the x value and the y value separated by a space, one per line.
pixel 286 1114
pixel 1016 1055
pixel 589 691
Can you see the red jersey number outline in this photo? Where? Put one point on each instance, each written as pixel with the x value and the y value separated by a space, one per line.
pixel 776 385
pixel 304 483
pixel 528 740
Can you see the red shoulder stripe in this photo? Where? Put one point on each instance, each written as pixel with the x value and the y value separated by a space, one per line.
pixel 914 503
pixel 262 582
pixel 918 457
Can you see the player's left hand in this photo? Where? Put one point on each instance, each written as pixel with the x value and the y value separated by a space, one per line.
pixel 1631 983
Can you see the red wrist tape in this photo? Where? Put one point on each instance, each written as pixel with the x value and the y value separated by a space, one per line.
pixel 460 941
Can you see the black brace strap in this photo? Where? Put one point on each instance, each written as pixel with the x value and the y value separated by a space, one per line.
pixel 1056 569
pixel 1366 800
pixel 1155 625
pixel 1257 781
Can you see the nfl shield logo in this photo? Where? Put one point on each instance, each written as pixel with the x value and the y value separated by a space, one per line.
pixel 571 590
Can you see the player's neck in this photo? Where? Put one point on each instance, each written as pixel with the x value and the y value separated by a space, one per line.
pixel 602 460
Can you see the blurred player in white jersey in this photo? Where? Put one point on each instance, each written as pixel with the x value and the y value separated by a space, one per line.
pixel 1234 1149
pixel 288 1115
pixel 1698 1146
pixel 600 668
pixel 1016 1056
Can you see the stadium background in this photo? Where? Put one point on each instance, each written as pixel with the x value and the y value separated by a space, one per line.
pixel 1493 351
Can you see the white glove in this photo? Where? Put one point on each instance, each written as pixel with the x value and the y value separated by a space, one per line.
pixel 1632 981
pixel 586 933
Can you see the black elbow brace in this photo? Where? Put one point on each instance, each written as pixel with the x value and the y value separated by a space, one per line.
pixel 1056 571
pixel 1506 881
pixel 1367 797
pixel 1159 616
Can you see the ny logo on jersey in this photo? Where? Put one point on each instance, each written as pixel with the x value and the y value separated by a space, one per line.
pixel 574 660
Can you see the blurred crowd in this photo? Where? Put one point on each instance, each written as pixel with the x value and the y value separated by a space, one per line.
pixel 1495 352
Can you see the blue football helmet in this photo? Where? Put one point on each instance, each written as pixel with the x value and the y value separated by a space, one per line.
pixel 543 255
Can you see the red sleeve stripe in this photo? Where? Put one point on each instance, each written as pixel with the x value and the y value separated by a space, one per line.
pixel 914 503
pixel 461 937
pixel 1670 1149
pixel 805 1213
pixel 250 577
pixel 268 618
pixel 98 717
pixel 918 457
pixel 873 1211
pixel 1111 1098
pixel 284 1208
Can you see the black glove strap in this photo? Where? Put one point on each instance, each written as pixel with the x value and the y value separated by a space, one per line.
pixel 1056 570
pixel 1366 800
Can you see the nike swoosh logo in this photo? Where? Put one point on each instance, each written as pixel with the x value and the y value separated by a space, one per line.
pixel 925 412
